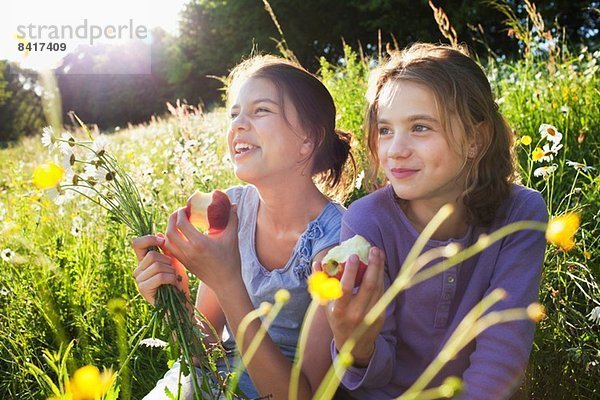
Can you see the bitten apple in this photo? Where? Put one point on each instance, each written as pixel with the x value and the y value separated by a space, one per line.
pixel 208 211
pixel 335 260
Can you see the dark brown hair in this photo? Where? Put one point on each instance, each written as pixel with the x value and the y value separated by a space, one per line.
pixel 462 91
pixel 316 111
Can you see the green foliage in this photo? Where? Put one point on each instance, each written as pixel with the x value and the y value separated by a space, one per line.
pixel 56 287
pixel 20 107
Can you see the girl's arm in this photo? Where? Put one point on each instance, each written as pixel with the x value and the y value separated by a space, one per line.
pixel 376 368
pixel 502 351
pixel 212 260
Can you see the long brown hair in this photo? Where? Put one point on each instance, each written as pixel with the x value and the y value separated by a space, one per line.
pixel 461 90
pixel 332 160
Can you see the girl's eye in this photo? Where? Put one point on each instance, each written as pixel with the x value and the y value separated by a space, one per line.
pixel 384 131
pixel 261 110
pixel 233 115
pixel 420 128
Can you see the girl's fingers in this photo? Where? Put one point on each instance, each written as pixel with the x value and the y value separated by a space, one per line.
pixel 150 258
pixel 154 269
pixel 316 266
pixel 347 281
pixel 183 225
pixel 175 239
pixel 148 287
pixel 372 286
pixel 141 244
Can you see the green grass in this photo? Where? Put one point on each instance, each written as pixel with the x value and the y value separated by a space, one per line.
pixel 57 285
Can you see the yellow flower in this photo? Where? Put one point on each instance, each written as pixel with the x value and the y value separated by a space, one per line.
pixel 323 288
pixel 89 384
pixel 526 140
pixel 561 230
pixel 47 175
pixel 537 154
pixel 282 296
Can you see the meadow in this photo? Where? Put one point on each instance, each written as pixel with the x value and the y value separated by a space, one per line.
pixel 68 298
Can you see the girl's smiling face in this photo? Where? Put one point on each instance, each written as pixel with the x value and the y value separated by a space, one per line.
pixel 265 136
pixel 413 149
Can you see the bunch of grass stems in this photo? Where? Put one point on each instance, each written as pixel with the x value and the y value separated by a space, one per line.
pixel 124 204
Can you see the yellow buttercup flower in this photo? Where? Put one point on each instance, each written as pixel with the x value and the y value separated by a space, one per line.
pixel 47 175
pixel 526 140
pixel 561 230
pixel 89 384
pixel 537 154
pixel 282 296
pixel 323 288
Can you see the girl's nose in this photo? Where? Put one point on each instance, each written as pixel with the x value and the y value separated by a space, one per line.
pixel 400 146
pixel 239 123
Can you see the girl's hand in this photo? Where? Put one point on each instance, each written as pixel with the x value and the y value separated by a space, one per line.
pixel 155 269
pixel 215 259
pixel 346 313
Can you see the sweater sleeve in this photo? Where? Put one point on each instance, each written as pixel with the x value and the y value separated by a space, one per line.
pixel 378 372
pixel 502 351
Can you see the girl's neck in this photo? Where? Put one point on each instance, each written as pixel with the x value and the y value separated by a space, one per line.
pixel 421 212
pixel 290 205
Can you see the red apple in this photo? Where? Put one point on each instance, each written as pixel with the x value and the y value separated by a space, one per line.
pixel 335 260
pixel 209 211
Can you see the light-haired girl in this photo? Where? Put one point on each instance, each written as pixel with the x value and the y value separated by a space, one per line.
pixel 437 134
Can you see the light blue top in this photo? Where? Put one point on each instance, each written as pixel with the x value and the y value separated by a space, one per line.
pixel 262 284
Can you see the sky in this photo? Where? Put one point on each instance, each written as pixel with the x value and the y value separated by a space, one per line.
pixel 64 21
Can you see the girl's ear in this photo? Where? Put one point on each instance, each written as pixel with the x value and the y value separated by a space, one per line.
pixel 306 148
pixel 475 143
pixel 473 151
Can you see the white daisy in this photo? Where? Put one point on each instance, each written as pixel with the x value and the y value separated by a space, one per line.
pixel 359 179
pixel 67 143
pixel 550 133
pixel 47 138
pixel 57 195
pixel 7 255
pixel 100 144
pixel 594 315
pixel 550 152
pixel 153 342
pixel 580 166
pixel 76 226
pixel 545 171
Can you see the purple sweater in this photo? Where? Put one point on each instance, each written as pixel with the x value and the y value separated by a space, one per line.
pixel 422 318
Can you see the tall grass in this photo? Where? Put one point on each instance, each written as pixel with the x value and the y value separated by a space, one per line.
pixel 62 264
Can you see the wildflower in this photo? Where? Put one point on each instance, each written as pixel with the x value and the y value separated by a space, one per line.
pixel 580 166
pixel 66 143
pixel 526 140
pixel 544 171
pixel 536 312
pixel 153 342
pixel 282 296
pixel 537 154
pixel 359 179
pixel 594 315
pixel 550 133
pixel 323 288
pixel 57 195
pixel 550 152
pixel 76 226
pixel 47 175
pixel 561 230
pixel 99 145
pixel 89 384
pixel 7 255
pixel 47 138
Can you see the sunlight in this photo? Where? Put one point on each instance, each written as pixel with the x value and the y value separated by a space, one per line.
pixel 38 34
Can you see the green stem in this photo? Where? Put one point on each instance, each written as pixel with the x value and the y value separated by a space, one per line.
pixel 297 365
